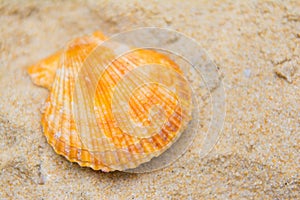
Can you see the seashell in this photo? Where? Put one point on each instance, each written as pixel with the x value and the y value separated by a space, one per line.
pixel 129 134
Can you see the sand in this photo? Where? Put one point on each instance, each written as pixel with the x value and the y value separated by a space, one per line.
pixel 256 45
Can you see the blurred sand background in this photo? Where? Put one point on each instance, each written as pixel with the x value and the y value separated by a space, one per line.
pixel 256 45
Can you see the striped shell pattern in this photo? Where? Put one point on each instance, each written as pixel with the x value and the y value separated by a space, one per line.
pixel 136 120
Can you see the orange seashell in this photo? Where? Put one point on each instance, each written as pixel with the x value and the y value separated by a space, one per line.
pixel 130 133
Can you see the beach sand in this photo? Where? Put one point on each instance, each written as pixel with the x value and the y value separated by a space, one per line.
pixel 255 44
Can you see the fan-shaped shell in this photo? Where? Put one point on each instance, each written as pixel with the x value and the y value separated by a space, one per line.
pixel 158 117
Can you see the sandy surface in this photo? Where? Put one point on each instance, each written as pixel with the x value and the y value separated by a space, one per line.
pixel 256 45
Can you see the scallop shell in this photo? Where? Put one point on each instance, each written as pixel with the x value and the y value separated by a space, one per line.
pixel 129 134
